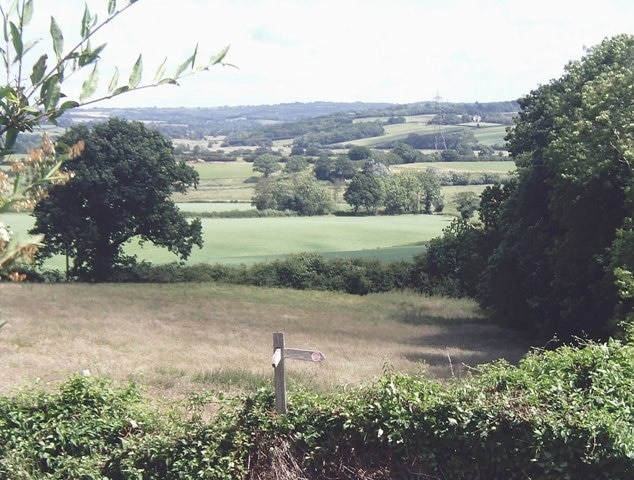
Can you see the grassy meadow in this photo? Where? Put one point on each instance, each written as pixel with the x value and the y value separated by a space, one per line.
pixel 251 240
pixel 176 339
pixel 227 186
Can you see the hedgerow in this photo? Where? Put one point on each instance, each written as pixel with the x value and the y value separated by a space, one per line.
pixel 561 414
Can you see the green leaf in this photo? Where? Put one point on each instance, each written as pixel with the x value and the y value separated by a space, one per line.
pixel 29 45
pixel 58 38
pixel 183 66
pixel 160 71
pixel 62 108
pixel 137 72
pixel 89 56
pixel 39 69
pixel 51 92
pixel 112 6
pixel 27 13
pixel 90 85
pixel 120 90
pixel 16 39
pixel 171 81
pixel 85 23
pixel 220 57
pixel 4 91
pixel 113 82
pixel 11 136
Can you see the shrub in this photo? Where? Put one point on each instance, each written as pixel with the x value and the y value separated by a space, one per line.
pixel 559 414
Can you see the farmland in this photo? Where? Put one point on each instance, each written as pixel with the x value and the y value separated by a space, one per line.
pixel 175 339
pixel 245 240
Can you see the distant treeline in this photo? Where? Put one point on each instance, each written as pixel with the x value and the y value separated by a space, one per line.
pixel 271 122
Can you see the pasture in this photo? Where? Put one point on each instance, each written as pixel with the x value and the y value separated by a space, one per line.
pixel 176 339
pixel 234 182
pixel 251 240
pixel 501 166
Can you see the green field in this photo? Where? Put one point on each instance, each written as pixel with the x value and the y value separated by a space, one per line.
pixel 250 240
pixel 493 135
pixel 487 134
pixel 471 167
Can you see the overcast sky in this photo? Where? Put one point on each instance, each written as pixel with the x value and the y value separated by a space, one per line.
pixel 397 51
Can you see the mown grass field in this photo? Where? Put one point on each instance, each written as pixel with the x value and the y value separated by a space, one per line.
pixel 175 339
pixel 250 240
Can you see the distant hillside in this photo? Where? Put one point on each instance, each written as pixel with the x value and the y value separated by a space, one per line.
pixel 198 123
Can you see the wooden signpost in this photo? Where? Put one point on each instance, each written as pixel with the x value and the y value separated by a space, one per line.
pixel 280 353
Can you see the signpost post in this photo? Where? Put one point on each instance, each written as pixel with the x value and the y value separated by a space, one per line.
pixel 280 352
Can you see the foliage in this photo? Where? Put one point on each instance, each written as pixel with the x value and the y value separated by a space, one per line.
pixel 33 94
pixel 27 182
pixel 452 263
pixel 120 189
pixel 365 190
pixel 467 204
pixel 412 192
pixel 359 153
pixel 334 169
pixel 553 268
pixel 299 193
pixel 267 164
pixel 301 271
pixel 295 164
pixel 407 153
pixel 564 413
pixel 71 433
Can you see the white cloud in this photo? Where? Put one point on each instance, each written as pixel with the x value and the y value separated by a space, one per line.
pixel 349 50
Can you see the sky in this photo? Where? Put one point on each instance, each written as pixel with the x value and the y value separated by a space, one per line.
pixel 397 51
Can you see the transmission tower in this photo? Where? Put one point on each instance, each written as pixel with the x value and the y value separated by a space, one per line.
pixel 439 126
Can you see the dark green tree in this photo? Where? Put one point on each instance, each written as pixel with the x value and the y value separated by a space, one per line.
pixel 343 169
pixel 324 166
pixel 553 269
pixel 467 204
pixel 364 191
pixel 120 189
pixel 359 153
pixel 407 153
pixel 264 194
pixel 299 193
pixel 452 263
pixel 303 194
pixel 431 190
pixel 295 164
pixel 267 164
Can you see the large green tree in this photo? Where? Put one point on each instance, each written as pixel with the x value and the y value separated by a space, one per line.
pixel 36 91
pixel 299 192
pixel 553 268
pixel 120 189
pixel 365 190
pixel 267 164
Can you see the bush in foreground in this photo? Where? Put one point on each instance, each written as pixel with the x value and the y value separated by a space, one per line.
pixel 567 413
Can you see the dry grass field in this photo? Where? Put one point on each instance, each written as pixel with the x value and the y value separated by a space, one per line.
pixel 176 339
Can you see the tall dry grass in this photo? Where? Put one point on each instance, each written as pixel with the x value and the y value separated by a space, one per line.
pixel 175 339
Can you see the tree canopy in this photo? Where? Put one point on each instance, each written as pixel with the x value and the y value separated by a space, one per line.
pixel 36 92
pixel 553 265
pixel 120 189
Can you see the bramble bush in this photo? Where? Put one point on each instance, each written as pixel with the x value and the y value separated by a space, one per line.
pixel 567 413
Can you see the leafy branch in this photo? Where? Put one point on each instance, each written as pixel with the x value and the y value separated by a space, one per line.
pixel 25 103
